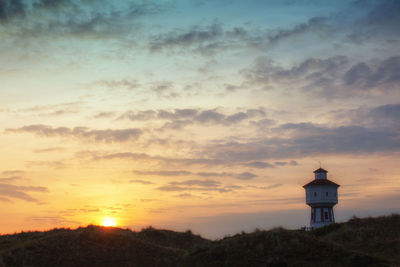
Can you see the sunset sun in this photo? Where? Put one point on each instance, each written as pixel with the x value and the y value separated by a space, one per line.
pixel 108 221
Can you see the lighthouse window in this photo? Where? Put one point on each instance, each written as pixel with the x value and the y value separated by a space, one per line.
pixel 326 193
pixel 315 194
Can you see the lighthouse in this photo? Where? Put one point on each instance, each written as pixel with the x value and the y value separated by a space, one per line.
pixel 321 196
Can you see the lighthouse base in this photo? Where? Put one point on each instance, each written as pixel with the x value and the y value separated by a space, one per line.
pixel 321 216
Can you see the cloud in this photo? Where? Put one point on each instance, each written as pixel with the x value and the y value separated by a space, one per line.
pixel 51 221
pixel 384 117
pixel 366 21
pixel 89 210
pixel 100 19
pixel 82 133
pixel 235 118
pixel 145 115
pixel 315 24
pixel 177 173
pixel 385 14
pixel 265 71
pixel 104 114
pixel 333 77
pixel 197 185
pixel 357 73
pixel 176 125
pixel 180 118
pixel 195 36
pixel 203 183
pixel 208 40
pixel 177 114
pixel 55 164
pixel 54 110
pixel 274 186
pixel 266 187
pixel 306 139
pixel 379 21
pixel 246 176
pixel 10 9
pixel 359 22
pixel 214 174
pixel 170 161
pixel 139 116
pixel 137 181
pixel 3 199
pixel 13 172
pixel 163 173
pixel 208 116
pixel 383 75
pixel 11 176
pixel 20 192
pixel 49 150
pixel 120 155
pixel 368 130
pixel 147 200
pixel 164 89
pixel 259 164
pixel 185 195
pixel 214 117
pixel 211 39
pixel 284 163
pixel 10 179
pixel 126 84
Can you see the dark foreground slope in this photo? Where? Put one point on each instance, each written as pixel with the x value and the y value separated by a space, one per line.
pixel 279 247
pixel 96 246
pixel 359 242
pixel 379 236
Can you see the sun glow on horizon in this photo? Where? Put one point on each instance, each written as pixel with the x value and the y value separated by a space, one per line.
pixel 108 221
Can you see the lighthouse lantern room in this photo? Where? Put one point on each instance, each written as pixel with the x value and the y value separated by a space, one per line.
pixel 321 196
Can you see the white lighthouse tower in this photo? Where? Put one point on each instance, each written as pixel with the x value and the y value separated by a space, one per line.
pixel 321 196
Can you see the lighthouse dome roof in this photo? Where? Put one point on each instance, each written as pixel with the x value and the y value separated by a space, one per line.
pixel 320 170
pixel 321 182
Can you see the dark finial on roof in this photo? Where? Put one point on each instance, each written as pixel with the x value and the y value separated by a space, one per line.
pixel 320 170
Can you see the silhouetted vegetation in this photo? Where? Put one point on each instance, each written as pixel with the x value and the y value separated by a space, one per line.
pixel 358 242
pixel 378 237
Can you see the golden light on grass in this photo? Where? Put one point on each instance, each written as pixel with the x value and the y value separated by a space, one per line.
pixel 108 221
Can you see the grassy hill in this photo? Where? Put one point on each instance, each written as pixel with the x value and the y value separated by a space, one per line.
pixel 358 242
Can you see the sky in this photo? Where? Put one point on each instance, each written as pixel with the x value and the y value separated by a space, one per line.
pixel 191 114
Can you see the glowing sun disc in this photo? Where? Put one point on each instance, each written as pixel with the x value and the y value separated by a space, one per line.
pixel 108 221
